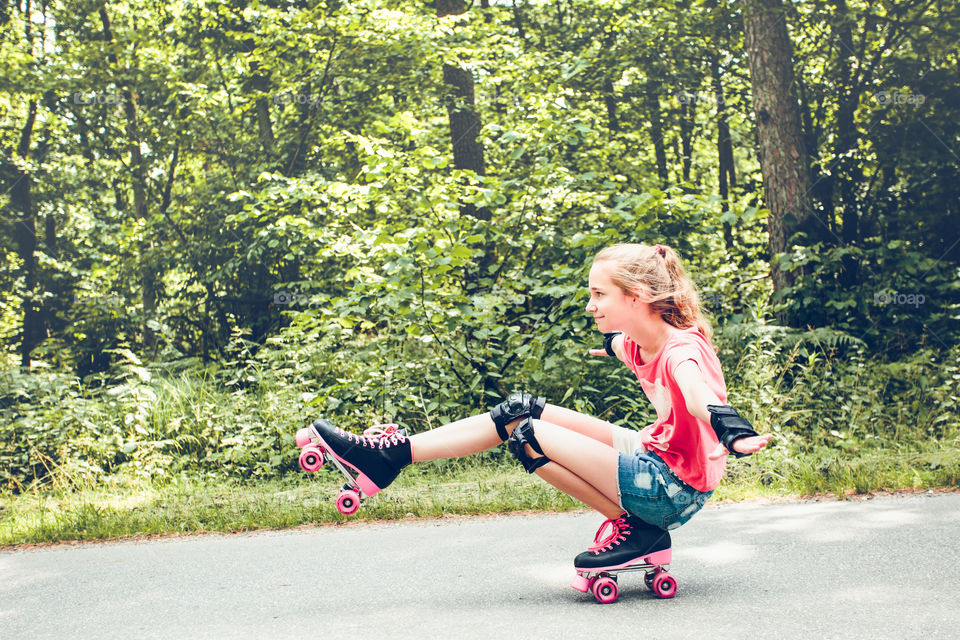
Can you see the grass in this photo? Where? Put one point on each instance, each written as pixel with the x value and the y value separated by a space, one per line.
pixel 934 466
pixel 131 507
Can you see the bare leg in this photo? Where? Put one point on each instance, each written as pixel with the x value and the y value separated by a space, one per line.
pixel 457 439
pixel 578 488
pixel 591 462
pixel 584 462
pixel 477 433
pixel 589 426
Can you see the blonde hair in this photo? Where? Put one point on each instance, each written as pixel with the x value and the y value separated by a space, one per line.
pixel 657 276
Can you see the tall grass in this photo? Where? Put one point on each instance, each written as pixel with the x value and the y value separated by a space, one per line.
pixel 155 450
pixel 130 506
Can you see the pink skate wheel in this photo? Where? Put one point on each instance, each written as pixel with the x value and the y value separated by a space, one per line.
pixel 311 458
pixel 665 585
pixel 581 583
pixel 648 578
pixel 605 590
pixel 348 502
pixel 303 437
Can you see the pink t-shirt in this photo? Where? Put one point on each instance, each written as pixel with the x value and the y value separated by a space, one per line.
pixel 681 439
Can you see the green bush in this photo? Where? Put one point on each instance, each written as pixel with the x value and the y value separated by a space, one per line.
pixel 889 294
pixel 820 392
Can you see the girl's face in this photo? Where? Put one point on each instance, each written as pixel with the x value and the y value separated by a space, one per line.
pixel 611 308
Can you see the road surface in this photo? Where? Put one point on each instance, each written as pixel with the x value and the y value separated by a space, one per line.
pixel 886 567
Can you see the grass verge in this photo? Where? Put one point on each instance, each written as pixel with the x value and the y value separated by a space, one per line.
pixel 129 507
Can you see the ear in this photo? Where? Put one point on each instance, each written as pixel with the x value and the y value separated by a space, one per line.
pixel 635 298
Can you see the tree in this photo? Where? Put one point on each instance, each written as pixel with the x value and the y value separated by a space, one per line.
pixel 464 120
pixel 22 203
pixel 148 275
pixel 780 146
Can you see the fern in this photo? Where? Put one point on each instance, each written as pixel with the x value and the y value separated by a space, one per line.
pixel 786 338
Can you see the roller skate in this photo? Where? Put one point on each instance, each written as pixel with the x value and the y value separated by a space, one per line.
pixel 369 462
pixel 630 545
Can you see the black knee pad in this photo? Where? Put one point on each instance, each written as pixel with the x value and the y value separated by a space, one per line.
pixel 518 405
pixel 523 435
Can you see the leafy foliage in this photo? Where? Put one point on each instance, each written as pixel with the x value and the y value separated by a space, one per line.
pixel 301 245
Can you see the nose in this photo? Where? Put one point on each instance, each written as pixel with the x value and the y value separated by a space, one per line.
pixel 591 307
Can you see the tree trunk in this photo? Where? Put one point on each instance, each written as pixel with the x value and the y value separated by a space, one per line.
pixel 610 101
pixel 26 237
pixel 468 155
pixel 848 170
pixel 518 24
pixel 656 130
pixel 688 109
pixel 260 84
pixel 450 7
pixel 464 129
pixel 783 158
pixel 726 172
pixel 25 231
pixel 148 275
pixel 822 190
pixel 464 119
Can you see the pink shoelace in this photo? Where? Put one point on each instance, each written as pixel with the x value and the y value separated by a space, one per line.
pixel 379 436
pixel 618 530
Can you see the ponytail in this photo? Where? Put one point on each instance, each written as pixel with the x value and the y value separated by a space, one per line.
pixel 657 276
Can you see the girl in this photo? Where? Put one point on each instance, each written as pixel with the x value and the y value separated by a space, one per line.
pixel 645 482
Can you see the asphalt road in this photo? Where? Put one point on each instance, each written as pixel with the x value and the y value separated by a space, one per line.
pixel 880 568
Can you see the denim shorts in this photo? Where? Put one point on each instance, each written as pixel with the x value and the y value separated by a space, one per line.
pixel 651 491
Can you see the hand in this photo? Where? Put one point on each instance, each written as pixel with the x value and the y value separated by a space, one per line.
pixel 751 444
pixel 748 445
pixel 608 339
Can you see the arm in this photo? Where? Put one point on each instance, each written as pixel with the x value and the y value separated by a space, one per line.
pixel 695 391
pixel 736 435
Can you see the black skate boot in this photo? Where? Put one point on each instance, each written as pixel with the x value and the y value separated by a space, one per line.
pixel 630 541
pixel 377 456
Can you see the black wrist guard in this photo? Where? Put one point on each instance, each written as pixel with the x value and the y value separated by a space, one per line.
pixel 729 426
pixel 608 342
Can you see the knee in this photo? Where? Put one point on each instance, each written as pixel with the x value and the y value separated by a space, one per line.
pixel 517 407
pixel 525 448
